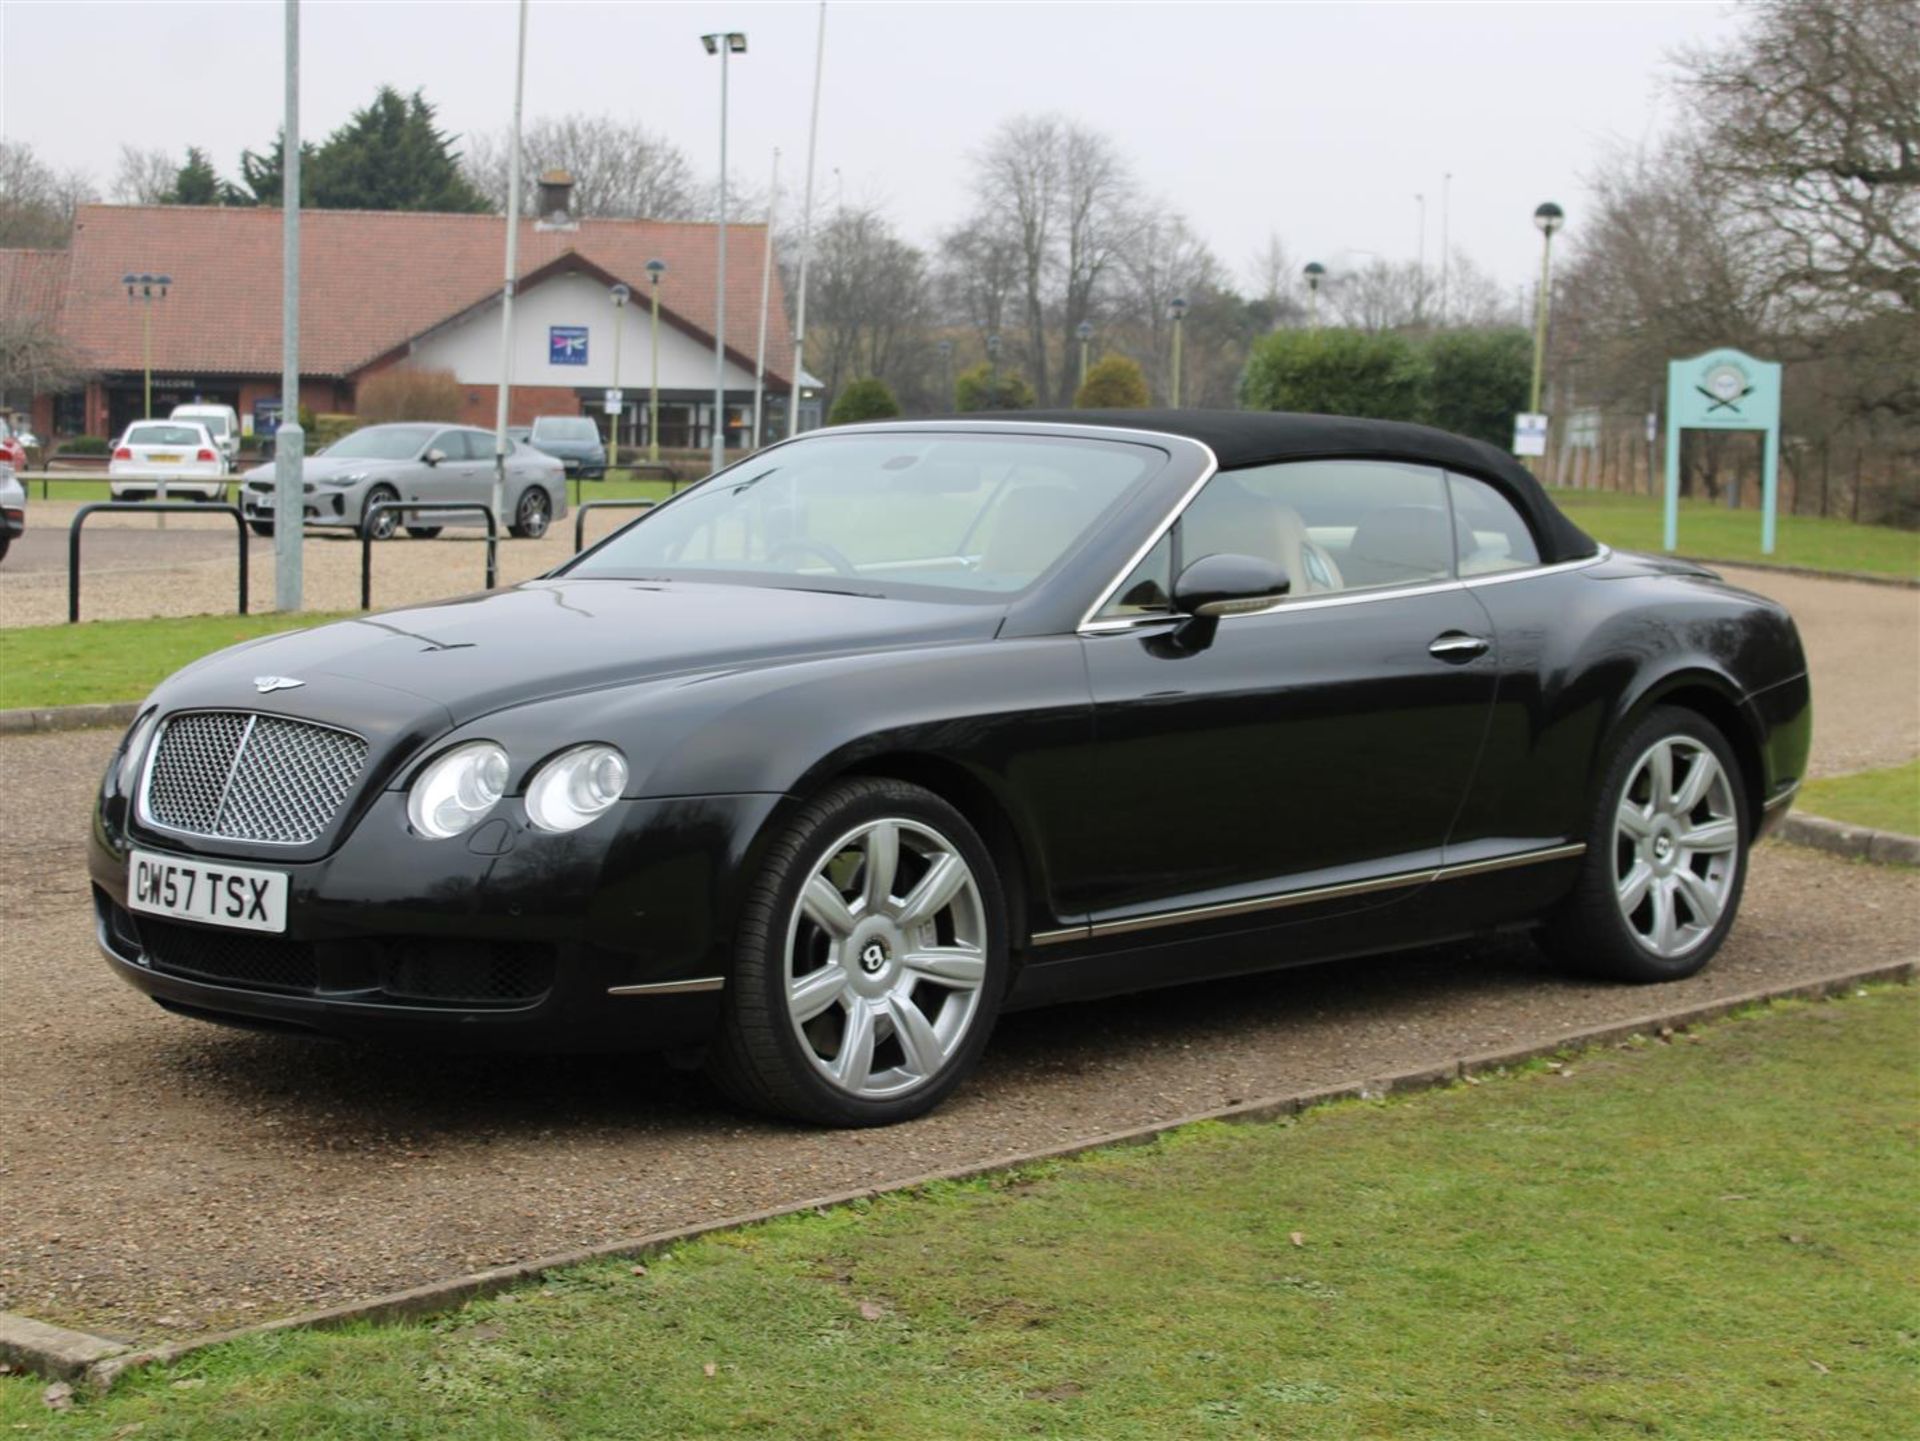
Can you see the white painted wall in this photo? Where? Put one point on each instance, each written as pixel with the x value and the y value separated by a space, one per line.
pixel 471 348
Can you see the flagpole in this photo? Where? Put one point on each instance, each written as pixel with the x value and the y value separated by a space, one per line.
pixel 766 295
pixel 806 231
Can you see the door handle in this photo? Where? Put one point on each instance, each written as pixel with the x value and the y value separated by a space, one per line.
pixel 1457 646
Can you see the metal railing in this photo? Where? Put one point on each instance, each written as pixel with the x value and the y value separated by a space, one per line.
pixel 436 507
pixel 48 478
pixel 580 514
pixel 146 507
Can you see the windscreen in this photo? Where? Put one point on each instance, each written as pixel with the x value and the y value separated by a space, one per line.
pixel 213 420
pixel 565 428
pixel 972 516
pixel 382 442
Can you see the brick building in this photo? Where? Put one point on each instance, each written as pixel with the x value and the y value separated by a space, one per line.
pixel 389 288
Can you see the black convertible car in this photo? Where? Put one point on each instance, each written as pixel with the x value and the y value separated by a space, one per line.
pixel 822 764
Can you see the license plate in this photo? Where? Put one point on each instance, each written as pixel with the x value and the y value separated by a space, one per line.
pixel 161 458
pixel 260 502
pixel 213 894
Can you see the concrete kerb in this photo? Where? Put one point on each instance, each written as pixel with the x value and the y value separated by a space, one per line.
pixel 1861 843
pixel 67 717
pixel 99 1361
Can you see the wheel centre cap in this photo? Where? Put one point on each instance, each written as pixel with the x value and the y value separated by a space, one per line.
pixel 1663 848
pixel 874 956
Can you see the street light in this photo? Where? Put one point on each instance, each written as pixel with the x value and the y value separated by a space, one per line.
pixel 655 269
pixel 1315 272
pixel 993 372
pixel 1177 308
pixel 147 289
pixel 1084 330
pixel 619 295
pixel 723 44
pixel 1548 218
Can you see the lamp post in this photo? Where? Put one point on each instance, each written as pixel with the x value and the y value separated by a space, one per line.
pixel 766 296
pixel 945 349
pixel 147 289
pixel 1177 308
pixel 724 44
pixel 1084 331
pixel 1548 218
pixel 619 295
pixel 993 372
pixel 655 269
pixel 1314 272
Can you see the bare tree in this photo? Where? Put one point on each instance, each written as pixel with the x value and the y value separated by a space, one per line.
pixel 1383 295
pixel 618 169
pixel 36 203
pixel 144 177
pixel 979 275
pixel 1166 260
pixel 1810 124
pixel 35 359
pixel 870 306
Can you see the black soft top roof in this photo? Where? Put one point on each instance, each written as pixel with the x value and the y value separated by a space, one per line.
pixel 1259 437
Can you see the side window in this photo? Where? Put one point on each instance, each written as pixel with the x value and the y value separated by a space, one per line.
pixel 1332 525
pixel 1491 534
pixel 1148 588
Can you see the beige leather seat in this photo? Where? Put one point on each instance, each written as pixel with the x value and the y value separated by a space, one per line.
pixel 1031 527
pixel 1228 519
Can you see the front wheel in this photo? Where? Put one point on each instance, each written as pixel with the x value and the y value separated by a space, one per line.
pixel 869 963
pixel 1666 855
pixel 532 515
pixel 383 525
pixel 423 532
pixel 261 528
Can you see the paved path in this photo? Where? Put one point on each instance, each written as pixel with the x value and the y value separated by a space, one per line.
pixel 160 1177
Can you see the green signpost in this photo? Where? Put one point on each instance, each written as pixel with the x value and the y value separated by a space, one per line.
pixel 1724 390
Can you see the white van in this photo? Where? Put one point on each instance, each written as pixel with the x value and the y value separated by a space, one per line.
pixel 222 423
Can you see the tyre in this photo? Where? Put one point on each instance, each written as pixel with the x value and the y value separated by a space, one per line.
pixel 423 532
pixel 6 544
pixel 869 963
pixel 1666 855
pixel 534 513
pixel 260 527
pixel 382 526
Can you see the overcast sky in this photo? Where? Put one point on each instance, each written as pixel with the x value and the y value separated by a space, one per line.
pixel 1316 121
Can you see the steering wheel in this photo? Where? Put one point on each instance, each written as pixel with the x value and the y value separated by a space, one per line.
pixel 805 545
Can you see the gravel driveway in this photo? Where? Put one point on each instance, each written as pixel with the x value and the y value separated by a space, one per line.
pixel 162 1177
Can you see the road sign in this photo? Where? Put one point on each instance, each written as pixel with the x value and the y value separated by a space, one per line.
pixel 616 401
pixel 1529 434
pixel 1724 390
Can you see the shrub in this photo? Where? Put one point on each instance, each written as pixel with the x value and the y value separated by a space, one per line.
pixel 86 445
pixel 1477 381
pixel 858 400
pixel 1114 382
pixel 974 390
pixel 327 428
pixel 404 393
pixel 1335 372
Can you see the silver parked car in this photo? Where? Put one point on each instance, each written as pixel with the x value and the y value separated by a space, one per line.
pixel 415 460
pixel 13 507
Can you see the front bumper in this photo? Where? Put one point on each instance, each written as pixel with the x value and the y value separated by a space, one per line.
pixel 611 938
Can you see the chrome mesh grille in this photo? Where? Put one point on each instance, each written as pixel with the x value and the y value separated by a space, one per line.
pixel 238 776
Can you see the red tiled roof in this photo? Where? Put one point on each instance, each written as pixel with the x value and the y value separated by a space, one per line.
pixel 369 281
pixel 33 282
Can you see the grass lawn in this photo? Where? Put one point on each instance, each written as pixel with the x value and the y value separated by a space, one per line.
pixel 118 660
pixel 1634 522
pixel 1712 1238
pixel 1887 800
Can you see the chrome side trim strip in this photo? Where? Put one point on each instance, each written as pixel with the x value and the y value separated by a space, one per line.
pixel 1054 938
pixel 1400 880
pixel 670 988
pixel 1207 473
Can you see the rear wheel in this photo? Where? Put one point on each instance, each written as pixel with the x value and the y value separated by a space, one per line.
pixel 534 513
pixel 869 964
pixel 383 525
pixel 1666 855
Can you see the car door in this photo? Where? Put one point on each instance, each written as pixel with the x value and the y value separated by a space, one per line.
pixel 1318 750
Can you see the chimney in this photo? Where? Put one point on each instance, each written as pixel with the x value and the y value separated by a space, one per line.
pixel 555 208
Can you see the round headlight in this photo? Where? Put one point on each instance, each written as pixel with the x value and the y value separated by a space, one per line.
pixel 575 786
pixel 457 789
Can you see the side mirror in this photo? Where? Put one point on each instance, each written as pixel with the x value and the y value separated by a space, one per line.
pixel 434 456
pixel 1220 585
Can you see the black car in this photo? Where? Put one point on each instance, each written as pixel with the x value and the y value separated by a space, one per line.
pixel 574 441
pixel 827 761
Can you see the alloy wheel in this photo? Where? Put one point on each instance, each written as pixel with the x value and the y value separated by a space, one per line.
pixel 1676 846
pixel 886 958
pixel 533 514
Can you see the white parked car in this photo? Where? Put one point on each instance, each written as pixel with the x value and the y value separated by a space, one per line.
pixel 222 423
pixel 181 453
pixel 13 507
